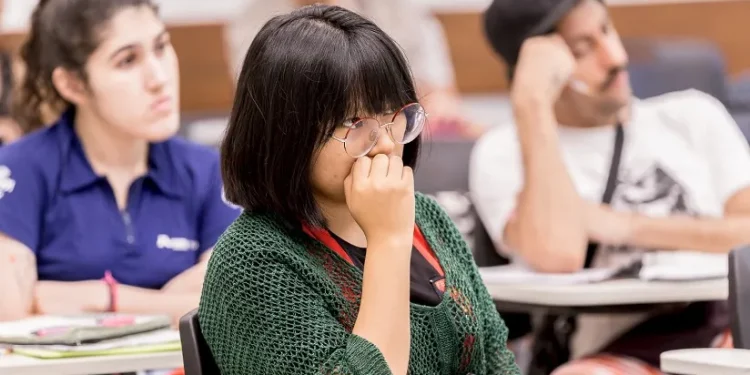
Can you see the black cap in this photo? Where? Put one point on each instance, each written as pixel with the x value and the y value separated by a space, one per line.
pixel 508 23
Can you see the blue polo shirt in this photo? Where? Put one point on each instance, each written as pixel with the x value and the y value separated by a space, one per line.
pixel 52 201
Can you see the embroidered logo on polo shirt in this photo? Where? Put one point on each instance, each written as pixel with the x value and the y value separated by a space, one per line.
pixel 7 183
pixel 176 243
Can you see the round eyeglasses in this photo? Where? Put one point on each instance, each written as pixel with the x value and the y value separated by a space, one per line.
pixel 362 133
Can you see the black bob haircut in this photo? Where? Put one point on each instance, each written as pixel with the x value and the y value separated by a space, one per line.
pixel 304 74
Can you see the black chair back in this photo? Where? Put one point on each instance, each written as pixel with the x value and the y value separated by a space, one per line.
pixel 196 355
pixel 739 296
pixel 443 171
pixel 659 66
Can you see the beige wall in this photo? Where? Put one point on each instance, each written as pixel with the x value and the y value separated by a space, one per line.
pixel 207 86
pixel 725 23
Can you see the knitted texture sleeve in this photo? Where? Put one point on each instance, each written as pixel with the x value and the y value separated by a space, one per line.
pixel 272 321
pixel 499 359
pixel 277 302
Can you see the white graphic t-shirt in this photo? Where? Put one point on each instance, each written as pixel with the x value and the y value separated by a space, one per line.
pixel 683 154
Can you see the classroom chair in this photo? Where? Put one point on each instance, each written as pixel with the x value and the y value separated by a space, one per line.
pixel 659 66
pixel 443 172
pixel 196 355
pixel 739 296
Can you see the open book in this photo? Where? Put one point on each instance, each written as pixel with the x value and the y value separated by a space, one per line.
pixel 652 266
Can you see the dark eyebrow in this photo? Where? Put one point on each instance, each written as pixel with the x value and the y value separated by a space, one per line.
pixel 607 20
pixel 580 39
pixel 131 46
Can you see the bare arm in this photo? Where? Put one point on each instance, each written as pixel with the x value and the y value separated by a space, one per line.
pixel 17 279
pixel 191 280
pixel 19 287
pixel 380 197
pixel 687 233
pixel 181 295
pixel 548 227
pixel 146 301
pixel 706 234
pixel 383 317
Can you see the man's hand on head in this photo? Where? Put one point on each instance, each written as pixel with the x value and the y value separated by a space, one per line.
pixel 545 65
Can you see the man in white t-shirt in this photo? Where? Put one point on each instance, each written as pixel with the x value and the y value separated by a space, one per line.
pixel 683 180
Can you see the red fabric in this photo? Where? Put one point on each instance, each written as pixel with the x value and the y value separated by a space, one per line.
pixel 420 243
pixel 619 365
pixel 424 248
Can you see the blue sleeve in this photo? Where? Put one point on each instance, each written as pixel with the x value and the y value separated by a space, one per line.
pixel 217 213
pixel 22 192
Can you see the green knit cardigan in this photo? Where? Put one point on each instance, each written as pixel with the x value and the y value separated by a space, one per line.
pixel 276 302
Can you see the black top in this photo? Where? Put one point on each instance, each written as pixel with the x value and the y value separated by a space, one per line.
pixel 423 275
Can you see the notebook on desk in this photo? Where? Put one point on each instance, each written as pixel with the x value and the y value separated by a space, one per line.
pixel 683 266
pixel 652 266
pixel 77 330
pixel 150 342
pixel 51 337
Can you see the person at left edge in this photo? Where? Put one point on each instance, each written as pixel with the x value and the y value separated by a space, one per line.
pixel 9 130
pixel 106 190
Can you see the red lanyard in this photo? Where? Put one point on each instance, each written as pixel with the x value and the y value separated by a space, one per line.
pixel 420 243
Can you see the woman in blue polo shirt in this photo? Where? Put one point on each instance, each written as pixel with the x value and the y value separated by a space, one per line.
pixel 104 210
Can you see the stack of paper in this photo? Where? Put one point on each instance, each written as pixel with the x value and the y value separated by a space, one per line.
pixel 518 274
pixel 664 266
pixel 684 265
pixel 157 341
pixel 91 335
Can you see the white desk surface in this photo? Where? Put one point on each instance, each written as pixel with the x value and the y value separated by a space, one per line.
pixel 20 365
pixel 611 293
pixel 706 362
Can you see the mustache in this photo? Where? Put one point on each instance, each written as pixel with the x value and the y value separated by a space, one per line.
pixel 612 76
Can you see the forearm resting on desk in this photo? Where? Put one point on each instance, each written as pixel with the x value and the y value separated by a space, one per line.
pixel 93 296
pixel 146 301
pixel 17 278
pixel 189 281
pixel 717 235
pixel 548 228
pixel 22 295
pixel 177 297
pixel 15 301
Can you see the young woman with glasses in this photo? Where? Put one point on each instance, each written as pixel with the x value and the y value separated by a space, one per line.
pixel 337 266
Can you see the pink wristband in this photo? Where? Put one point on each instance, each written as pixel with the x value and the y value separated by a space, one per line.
pixel 112 285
